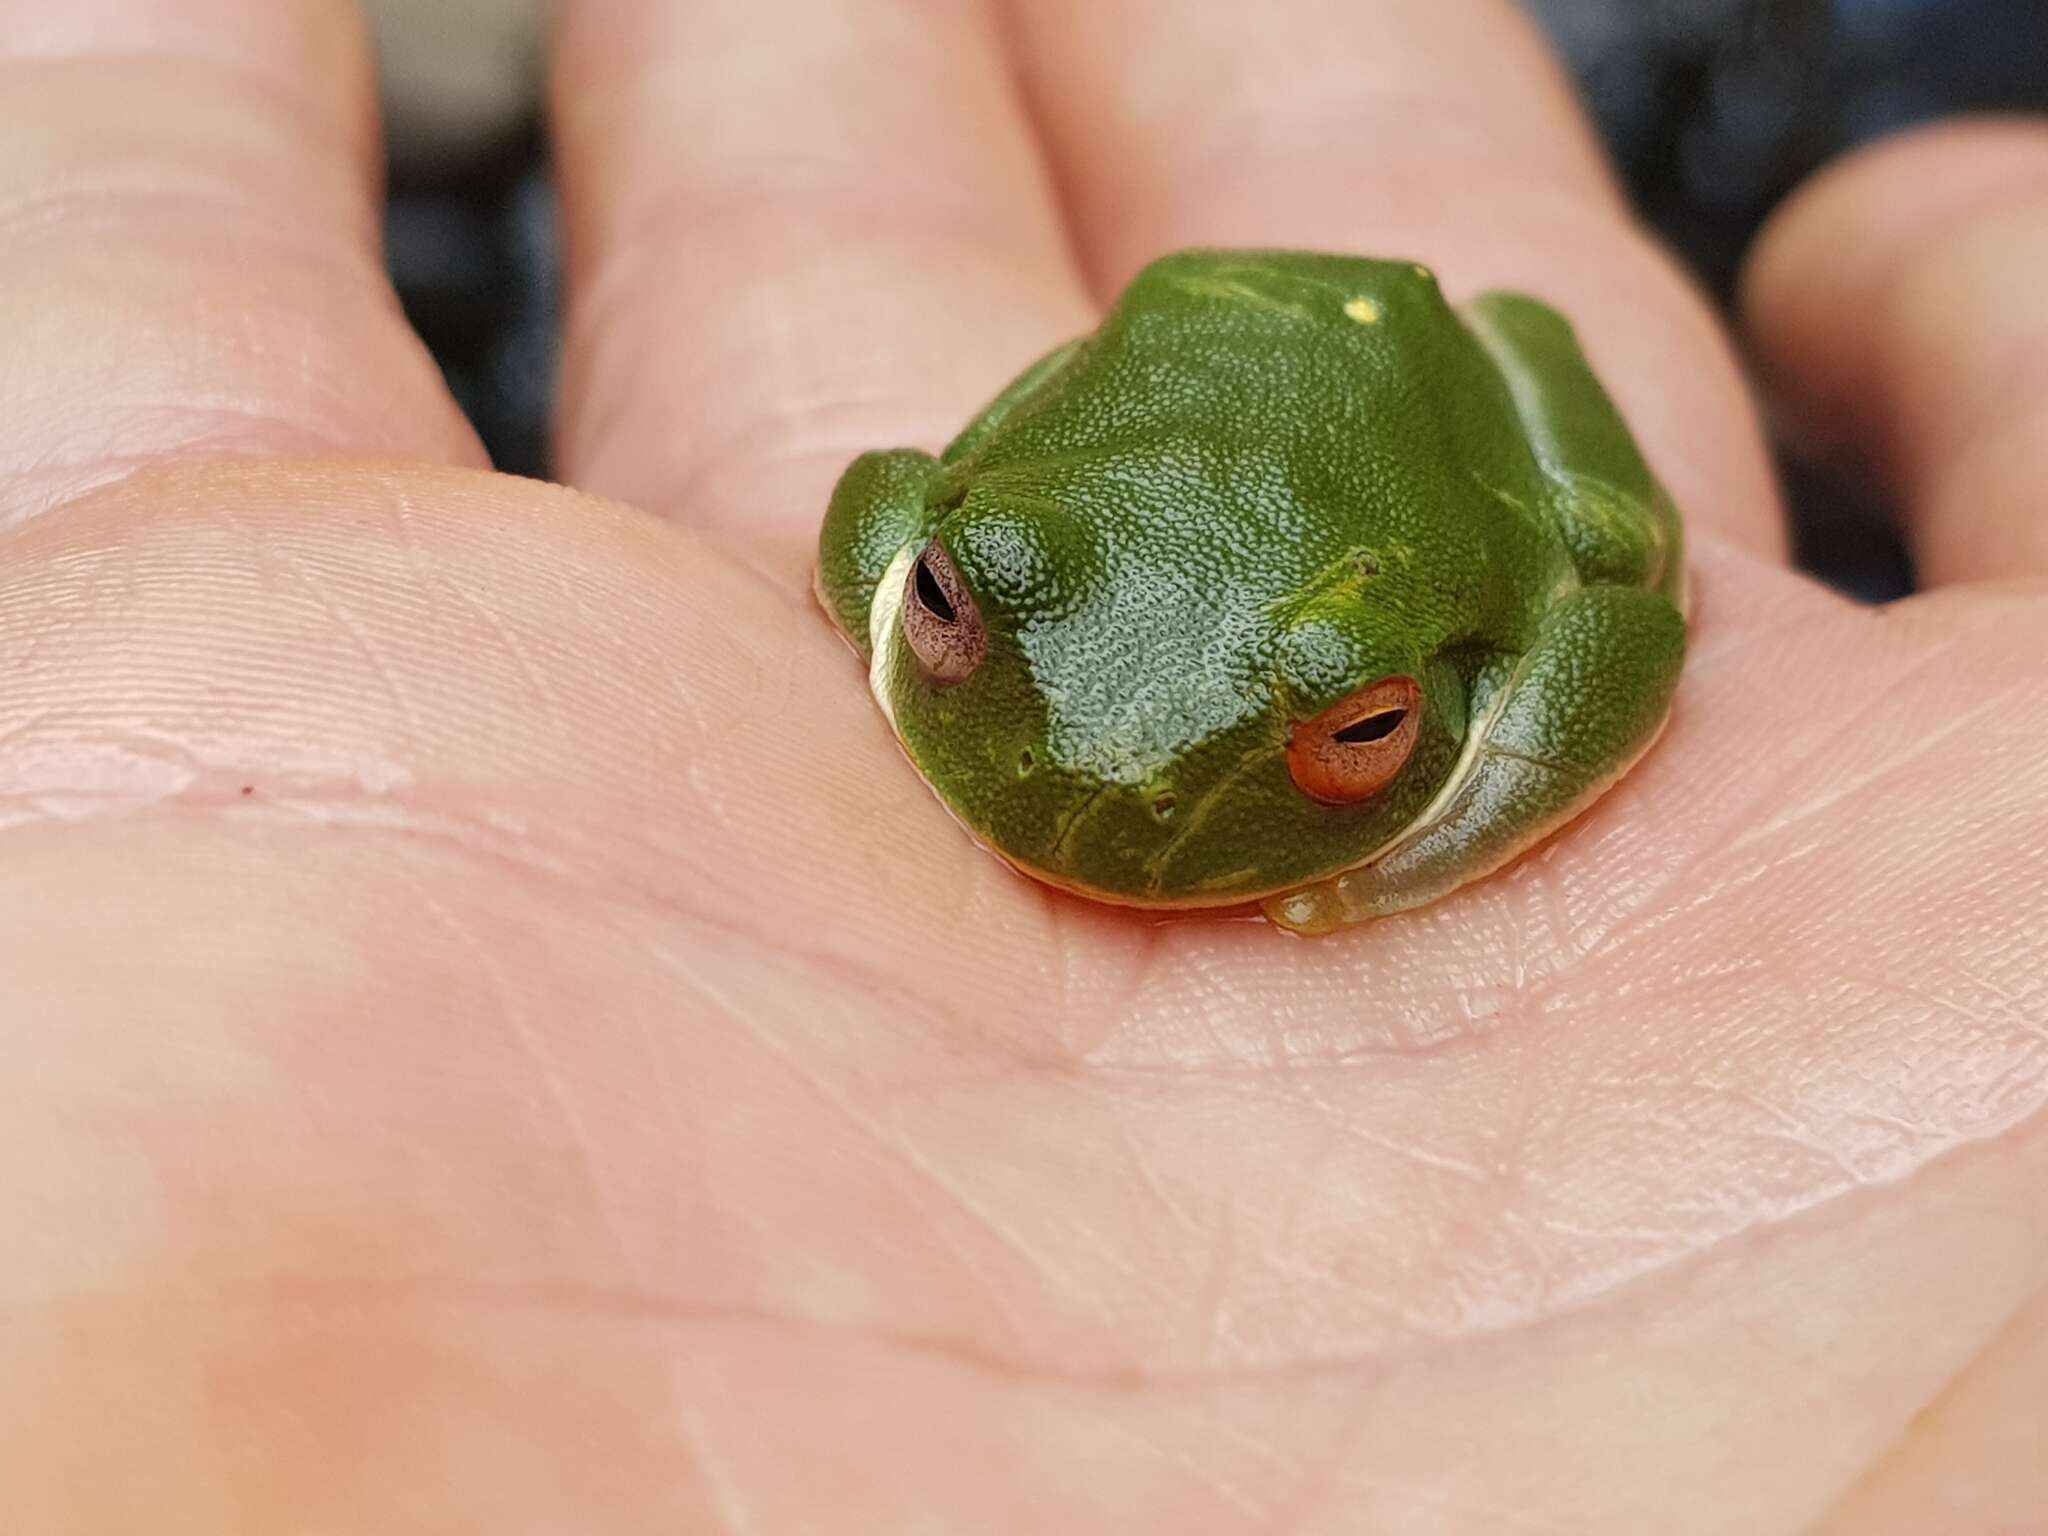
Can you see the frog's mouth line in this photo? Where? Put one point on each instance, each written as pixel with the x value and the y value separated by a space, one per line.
pixel 1072 820
pixel 1203 806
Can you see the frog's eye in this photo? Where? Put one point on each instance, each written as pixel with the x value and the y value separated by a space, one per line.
pixel 1356 747
pixel 940 621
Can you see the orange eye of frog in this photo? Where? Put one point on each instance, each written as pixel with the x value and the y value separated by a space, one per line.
pixel 1359 745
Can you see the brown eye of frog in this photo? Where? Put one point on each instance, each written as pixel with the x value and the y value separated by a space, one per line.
pixel 940 621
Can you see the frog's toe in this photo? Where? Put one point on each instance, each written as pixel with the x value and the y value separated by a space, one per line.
pixel 1311 911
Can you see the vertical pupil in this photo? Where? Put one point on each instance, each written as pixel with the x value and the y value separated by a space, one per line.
pixel 932 595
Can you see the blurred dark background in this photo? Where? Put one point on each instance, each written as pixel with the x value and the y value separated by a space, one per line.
pixel 1713 108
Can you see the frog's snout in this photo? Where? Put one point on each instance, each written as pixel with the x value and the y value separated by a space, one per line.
pixel 1114 838
pixel 1128 804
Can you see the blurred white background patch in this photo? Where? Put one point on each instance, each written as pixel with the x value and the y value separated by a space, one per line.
pixel 458 75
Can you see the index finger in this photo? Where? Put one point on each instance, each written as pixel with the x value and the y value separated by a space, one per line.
pixel 799 229
pixel 189 257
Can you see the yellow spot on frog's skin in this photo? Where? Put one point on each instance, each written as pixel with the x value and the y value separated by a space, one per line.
pixel 1364 311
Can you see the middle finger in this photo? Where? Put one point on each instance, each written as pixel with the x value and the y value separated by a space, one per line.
pixel 1434 130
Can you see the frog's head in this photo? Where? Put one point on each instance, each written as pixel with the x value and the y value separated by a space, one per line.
pixel 1113 723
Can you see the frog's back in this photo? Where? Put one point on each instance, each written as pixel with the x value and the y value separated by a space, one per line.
pixel 1250 421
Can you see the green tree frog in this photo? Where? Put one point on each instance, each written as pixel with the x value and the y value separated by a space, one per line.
pixel 1291 584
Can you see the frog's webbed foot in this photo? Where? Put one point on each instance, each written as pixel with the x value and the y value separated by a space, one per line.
pixel 1586 700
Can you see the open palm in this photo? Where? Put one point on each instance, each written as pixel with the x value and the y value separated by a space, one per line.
pixel 498 1039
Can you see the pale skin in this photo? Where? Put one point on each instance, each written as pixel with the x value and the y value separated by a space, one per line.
pixel 497 1038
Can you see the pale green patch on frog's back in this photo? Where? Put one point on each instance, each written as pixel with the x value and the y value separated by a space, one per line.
pixel 1236 428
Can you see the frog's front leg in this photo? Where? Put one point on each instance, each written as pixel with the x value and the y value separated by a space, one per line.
pixel 1617 521
pixel 1564 722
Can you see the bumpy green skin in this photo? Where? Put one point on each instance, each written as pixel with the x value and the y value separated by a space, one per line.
pixel 1270 479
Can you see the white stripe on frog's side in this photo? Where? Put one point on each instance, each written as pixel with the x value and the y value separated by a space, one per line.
pixel 883 614
pixel 1446 797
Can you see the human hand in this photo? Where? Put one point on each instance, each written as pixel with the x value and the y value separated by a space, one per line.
pixel 497 1038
